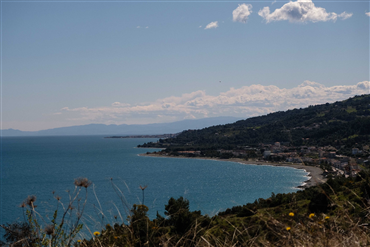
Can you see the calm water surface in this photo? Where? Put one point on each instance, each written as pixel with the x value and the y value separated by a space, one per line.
pixel 40 165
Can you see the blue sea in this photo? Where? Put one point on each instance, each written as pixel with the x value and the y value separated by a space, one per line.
pixel 42 165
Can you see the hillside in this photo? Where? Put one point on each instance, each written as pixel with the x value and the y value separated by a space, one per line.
pixel 343 124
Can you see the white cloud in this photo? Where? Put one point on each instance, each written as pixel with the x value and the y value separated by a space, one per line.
pixel 242 12
pixel 367 13
pixel 301 11
pixel 345 15
pixel 200 26
pixel 212 25
pixel 245 102
pixel 138 27
pixel 120 104
pixel 146 27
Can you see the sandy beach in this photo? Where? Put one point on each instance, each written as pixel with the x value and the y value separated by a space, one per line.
pixel 315 173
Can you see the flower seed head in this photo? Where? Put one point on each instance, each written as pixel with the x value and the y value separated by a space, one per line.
pixel 82 182
pixel 49 229
pixel 143 187
pixel 30 201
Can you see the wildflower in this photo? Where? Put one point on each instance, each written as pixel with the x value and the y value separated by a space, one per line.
pixel 49 229
pixel 288 228
pixel 115 237
pixel 327 217
pixel 79 241
pixel 96 233
pixel 30 201
pixel 82 182
pixel 143 187
pixel 291 214
pixel 311 215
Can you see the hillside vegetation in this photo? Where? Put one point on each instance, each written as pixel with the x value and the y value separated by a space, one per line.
pixel 342 124
pixel 334 214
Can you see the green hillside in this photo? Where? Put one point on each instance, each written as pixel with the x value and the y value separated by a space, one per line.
pixel 342 124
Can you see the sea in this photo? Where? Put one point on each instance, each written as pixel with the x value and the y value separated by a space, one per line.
pixel 47 167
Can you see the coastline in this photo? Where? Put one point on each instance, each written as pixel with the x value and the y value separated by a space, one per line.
pixel 314 172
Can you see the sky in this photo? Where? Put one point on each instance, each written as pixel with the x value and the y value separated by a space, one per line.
pixel 66 63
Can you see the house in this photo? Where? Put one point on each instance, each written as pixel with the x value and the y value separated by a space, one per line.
pixel 343 165
pixel 266 154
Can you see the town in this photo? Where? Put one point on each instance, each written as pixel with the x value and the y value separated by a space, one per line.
pixel 327 157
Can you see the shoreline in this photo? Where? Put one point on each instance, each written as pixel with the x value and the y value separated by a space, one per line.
pixel 314 172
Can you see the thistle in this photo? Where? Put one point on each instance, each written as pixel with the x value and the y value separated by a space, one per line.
pixel 82 182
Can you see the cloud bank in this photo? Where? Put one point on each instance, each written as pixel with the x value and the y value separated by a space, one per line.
pixel 367 13
pixel 242 12
pixel 243 102
pixel 212 25
pixel 301 11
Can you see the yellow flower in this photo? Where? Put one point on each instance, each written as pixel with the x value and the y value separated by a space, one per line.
pixel 115 237
pixel 79 241
pixel 311 215
pixel 96 233
pixel 327 217
pixel 288 228
pixel 291 214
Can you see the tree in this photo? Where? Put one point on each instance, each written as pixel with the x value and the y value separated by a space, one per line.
pixel 180 218
pixel 140 224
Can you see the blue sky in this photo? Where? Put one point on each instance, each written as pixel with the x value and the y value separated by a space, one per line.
pixel 73 63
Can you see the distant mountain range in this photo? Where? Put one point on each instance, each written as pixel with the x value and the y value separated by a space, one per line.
pixel 125 129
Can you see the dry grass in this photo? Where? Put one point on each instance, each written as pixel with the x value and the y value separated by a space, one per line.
pixel 289 224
